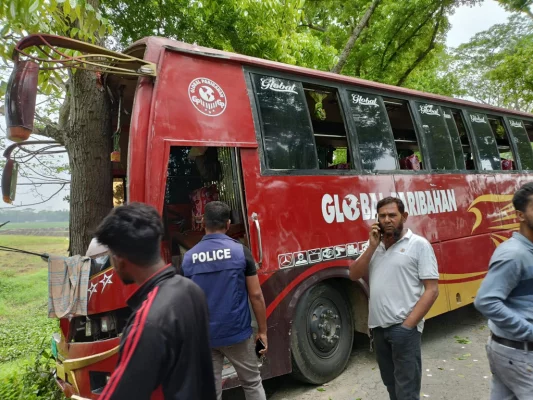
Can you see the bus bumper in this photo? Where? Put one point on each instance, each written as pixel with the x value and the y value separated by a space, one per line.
pixel 84 368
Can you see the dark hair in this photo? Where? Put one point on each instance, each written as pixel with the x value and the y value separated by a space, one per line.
pixel 521 197
pixel 133 232
pixel 390 200
pixel 216 215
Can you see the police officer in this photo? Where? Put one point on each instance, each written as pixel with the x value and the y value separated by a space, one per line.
pixel 225 270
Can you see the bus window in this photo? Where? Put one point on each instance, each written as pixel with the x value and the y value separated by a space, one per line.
pixel 455 137
pixel 328 127
pixel 286 128
pixel 464 139
pixel 522 141
pixel 502 140
pixel 376 143
pixel 485 142
pixel 404 133
pixel 436 136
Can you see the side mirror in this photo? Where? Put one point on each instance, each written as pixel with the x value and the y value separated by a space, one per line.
pixel 9 181
pixel 21 96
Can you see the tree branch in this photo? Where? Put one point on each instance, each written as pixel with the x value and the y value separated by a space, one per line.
pixel 423 54
pixel 354 36
pixel 413 34
pixel 393 36
pixel 311 26
pixel 49 130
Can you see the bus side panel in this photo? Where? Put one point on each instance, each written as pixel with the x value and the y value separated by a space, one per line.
pixel 308 215
pixel 442 304
pixel 293 213
pixel 463 233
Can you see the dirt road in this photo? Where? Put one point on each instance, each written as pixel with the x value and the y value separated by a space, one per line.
pixel 454 366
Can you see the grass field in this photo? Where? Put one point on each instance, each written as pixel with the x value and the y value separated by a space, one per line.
pixel 23 299
pixel 34 225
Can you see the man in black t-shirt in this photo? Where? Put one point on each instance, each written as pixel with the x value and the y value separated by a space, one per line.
pixel 164 352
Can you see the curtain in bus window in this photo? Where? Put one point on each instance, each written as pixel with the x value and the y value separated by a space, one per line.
pixel 456 140
pixel 485 142
pixel 521 139
pixel 436 136
pixel 287 131
pixel 376 143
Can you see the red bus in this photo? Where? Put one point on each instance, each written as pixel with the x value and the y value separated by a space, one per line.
pixel 302 157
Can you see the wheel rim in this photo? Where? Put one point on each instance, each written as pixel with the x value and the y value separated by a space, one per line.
pixel 324 327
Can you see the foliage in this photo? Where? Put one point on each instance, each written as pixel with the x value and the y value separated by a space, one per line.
pixel 403 43
pixel 75 18
pixel 494 67
pixel 31 215
pixel 36 382
pixel 518 5
pixel 267 29
pixel 25 330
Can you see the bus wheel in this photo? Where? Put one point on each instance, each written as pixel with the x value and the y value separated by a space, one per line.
pixel 322 334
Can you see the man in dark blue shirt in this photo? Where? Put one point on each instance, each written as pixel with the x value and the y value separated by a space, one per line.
pixel 226 271
pixel 506 299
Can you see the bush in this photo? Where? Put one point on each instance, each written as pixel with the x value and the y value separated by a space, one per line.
pixel 36 383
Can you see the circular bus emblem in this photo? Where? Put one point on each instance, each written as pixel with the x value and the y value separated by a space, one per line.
pixel 207 97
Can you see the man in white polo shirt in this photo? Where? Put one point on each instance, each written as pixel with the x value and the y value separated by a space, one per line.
pixel 403 277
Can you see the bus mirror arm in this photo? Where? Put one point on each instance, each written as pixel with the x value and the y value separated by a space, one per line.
pixel 255 218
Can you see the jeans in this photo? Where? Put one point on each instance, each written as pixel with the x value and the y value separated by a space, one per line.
pixel 242 356
pixel 512 372
pixel 400 361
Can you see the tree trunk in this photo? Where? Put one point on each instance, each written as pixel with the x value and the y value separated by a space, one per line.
pixel 88 143
pixel 354 36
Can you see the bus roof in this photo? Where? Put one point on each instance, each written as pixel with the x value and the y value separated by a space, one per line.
pixel 155 42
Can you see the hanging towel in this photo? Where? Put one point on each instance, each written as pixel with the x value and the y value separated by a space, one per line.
pixel 68 279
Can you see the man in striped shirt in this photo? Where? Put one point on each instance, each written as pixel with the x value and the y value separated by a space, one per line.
pixel 164 352
pixel 506 299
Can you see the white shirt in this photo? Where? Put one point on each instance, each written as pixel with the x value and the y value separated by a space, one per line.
pixel 396 276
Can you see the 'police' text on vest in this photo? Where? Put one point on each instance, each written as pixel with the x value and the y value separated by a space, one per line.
pixel 214 255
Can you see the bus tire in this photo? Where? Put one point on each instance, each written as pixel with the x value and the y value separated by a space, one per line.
pixel 322 334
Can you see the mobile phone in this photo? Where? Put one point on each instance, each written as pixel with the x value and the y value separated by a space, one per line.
pixel 380 228
pixel 259 345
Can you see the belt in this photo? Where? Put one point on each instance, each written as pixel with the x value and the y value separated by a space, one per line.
pixel 528 346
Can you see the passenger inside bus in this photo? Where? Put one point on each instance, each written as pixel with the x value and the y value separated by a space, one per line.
pixel 502 140
pixel 197 176
pixel 329 130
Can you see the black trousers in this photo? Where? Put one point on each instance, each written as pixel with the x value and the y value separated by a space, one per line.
pixel 400 361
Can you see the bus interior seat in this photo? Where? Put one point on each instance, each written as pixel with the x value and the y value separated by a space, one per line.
pixel 410 163
pixel 507 165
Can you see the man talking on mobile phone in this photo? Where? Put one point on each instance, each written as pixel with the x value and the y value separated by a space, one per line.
pixel 403 277
pixel 226 271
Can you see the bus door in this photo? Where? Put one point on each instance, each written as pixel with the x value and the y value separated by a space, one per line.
pixel 200 116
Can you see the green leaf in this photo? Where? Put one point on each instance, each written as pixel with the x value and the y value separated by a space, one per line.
pixel 33 6
pixel 102 30
pixel 3 88
pixel 66 8
pixel 13 9
pixel 321 389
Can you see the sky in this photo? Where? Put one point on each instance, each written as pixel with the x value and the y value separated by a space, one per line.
pixel 466 22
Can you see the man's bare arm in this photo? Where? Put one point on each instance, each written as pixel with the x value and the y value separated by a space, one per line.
pixel 258 306
pixel 359 267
